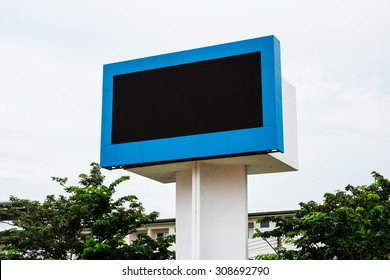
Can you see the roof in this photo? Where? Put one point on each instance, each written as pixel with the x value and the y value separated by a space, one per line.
pixel 253 214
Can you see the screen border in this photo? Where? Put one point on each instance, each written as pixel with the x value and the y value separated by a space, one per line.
pixel 265 139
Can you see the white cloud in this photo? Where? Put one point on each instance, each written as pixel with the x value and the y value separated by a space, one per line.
pixel 335 53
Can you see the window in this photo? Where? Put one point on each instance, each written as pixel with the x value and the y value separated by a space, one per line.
pixel 264 224
pixel 251 230
pixel 161 232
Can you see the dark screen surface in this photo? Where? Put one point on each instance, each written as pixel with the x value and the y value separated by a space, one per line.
pixel 196 98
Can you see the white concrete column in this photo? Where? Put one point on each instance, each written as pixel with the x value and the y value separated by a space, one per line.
pixel 183 215
pixel 212 212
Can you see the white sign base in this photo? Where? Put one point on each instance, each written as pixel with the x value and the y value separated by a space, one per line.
pixel 211 212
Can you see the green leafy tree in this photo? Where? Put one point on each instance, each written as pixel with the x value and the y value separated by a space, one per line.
pixel 86 224
pixel 350 224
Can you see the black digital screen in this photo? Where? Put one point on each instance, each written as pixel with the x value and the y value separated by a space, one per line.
pixel 201 97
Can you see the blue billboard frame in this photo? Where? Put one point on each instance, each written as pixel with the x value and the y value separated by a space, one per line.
pixel 265 139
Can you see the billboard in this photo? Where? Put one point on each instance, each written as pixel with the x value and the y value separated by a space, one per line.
pixel 211 102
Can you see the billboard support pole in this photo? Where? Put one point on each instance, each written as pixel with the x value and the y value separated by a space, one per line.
pixel 211 212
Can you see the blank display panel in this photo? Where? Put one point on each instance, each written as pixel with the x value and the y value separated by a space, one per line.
pixel 202 97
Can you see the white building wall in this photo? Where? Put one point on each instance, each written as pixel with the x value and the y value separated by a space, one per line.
pixel 255 247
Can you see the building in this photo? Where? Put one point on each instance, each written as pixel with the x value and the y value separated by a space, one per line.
pixel 256 246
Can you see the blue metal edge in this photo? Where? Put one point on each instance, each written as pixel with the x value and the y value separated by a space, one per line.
pixel 236 142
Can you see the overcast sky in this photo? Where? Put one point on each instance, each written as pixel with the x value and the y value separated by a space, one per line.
pixel 336 54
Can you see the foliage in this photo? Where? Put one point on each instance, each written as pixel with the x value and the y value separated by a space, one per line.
pixel 350 224
pixel 269 257
pixel 86 224
pixel 143 248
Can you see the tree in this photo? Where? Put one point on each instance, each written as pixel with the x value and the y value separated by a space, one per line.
pixel 350 224
pixel 86 224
